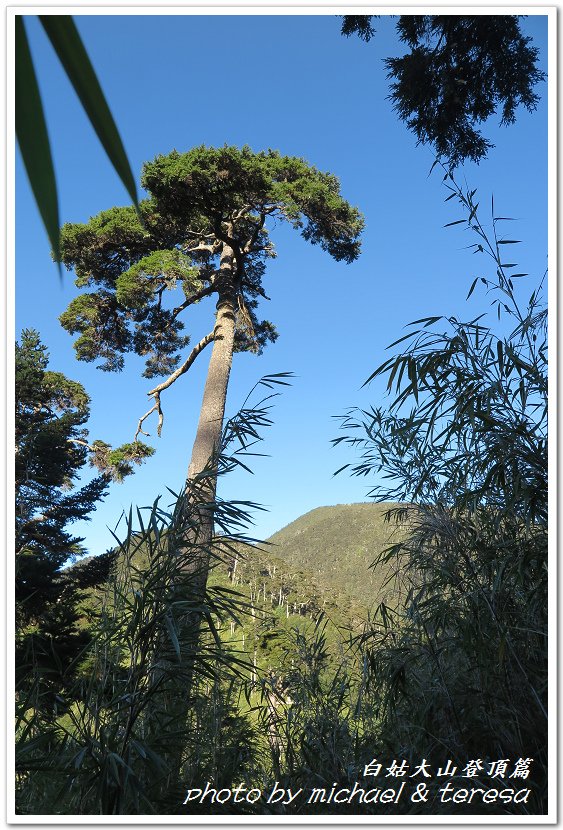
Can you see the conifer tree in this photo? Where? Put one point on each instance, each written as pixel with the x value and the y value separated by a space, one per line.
pixel 51 444
pixel 205 231
pixel 52 447
pixel 458 70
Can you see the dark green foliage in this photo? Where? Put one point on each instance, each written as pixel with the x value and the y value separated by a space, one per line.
pixel 477 429
pixel 118 463
pixel 359 24
pixel 116 724
pixel 134 286
pixel 104 334
pixel 463 668
pixel 460 70
pixel 199 201
pixel 284 702
pixel 111 743
pixel 313 706
pixel 50 451
pixel 51 447
pixel 104 247
pixel 207 184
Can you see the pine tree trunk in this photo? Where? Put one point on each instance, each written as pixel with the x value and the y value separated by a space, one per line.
pixel 210 425
pixel 194 546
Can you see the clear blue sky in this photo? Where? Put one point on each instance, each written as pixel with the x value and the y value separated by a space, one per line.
pixel 292 83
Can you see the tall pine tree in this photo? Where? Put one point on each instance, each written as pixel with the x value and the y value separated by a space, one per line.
pixel 205 233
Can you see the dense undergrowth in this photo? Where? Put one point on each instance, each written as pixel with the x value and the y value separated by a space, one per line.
pixel 282 686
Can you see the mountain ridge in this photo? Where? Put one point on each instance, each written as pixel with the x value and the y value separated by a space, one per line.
pixel 338 544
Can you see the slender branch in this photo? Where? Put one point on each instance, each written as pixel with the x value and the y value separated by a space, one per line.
pixel 80 443
pixel 200 234
pixel 240 213
pixel 201 247
pixel 41 517
pixel 155 393
pixel 205 341
pixel 439 42
pixel 146 415
pixel 250 244
pixel 199 295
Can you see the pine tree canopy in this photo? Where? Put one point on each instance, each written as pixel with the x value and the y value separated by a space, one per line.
pixel 460 70
pixel 200 203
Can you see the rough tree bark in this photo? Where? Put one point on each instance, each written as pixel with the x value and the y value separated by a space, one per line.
pixel 212 412
pixel 210 426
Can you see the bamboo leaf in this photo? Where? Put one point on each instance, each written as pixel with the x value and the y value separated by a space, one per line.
pixel 473 284
pixel 401 339
pixel 393 373
pixel 500 356
pixel 473 212
pixel 171 629
pixel 340 469
pixel 63 34
pixel 412 372
pixel 428 321
pixel 33 139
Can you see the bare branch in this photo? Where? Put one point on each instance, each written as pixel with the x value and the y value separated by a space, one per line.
pixel 201 247
pixel 200 234
pixel 205 341
pixel 155 393
pixel 80 443
pixel 146 415
pixel 160 414
pixel 240 213
pixel 199 295
pixel 156 407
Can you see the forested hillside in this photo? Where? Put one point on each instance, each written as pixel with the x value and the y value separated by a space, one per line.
pixel 338 545
pixel 319 565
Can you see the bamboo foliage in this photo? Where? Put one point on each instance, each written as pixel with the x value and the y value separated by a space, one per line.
pixel 106 747
pixel 462 446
